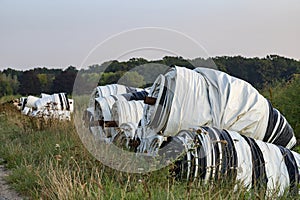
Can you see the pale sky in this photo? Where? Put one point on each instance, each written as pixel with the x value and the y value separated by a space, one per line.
pixel 57 33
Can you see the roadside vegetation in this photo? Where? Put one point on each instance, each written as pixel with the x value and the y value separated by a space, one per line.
pixel 48 160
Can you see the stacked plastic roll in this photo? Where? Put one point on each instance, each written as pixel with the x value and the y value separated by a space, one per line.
pixel 213 154
pixel 103 126
pixel 60 99
pixel 102 112
pixel 107 90
pixel 104 105
pixel 205 97
pixel 28 103
pixel 127 111
pixel 31 100
pixel 48 106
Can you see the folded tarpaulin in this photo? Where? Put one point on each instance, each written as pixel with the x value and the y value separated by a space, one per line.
pixel 188 98
pixel 213 154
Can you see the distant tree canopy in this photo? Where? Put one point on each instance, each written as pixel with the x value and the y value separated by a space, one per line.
pixel 8 84
pixel 260 72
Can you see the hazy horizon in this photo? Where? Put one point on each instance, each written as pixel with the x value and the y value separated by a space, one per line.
pixel 57 34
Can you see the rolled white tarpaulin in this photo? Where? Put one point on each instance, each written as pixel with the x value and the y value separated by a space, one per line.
pixel 60 100
pixel 102 115
pixel 23 101
pixel 127 111
pixel 43 95
pixel 103 105
pixel 213 154
pixel 30 103
pixel 26 110
pixel 125 135
pixel 42 102
pixel 187 98
pixel 50 113
pixel 27 104
pixel 103 121
pixel 112 89
pixel 56 106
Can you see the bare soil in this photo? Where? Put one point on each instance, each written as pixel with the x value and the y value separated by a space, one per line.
pixel 6 192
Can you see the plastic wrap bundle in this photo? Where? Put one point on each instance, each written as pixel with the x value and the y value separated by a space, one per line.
pixel 125 136
pixel 127 115
pixel 50 112
pixel 103 128
pixel 43 95
pixel 51 97
pixel 89 118
pixel 104 124
pixel 213 154
pixel 30 103
pixel 184 98
pixel 48 106
pixel 60 99
pixel 127 111
pixel 104 105
pixel 24 110
pixel 23 102
pixel 107 90
pixel 27 104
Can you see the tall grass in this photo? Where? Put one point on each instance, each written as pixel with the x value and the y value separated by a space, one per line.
pixel 48 161
pixel 286 98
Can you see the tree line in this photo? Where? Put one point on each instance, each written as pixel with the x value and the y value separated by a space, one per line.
pixel 260 72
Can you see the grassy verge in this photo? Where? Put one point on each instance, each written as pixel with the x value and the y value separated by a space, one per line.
pixel 48 161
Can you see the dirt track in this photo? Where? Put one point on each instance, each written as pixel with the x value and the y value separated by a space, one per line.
pixel 6 193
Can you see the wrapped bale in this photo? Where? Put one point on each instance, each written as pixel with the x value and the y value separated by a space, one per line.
pixel 102 126
pixel 104 123
pixel 31 100
pixel 127 115
pixel 127 111
pixel 44 95
pixel 112 89
pixel 184 98
pixel 60 100
pixel 56 106
pixel 212 154
pixel 28 104
pixel 105 91
pixel 22 102
pixel 125 136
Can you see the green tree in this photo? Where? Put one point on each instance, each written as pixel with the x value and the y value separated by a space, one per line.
pixel 64 81
pixel 133 79
pixel 8 84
